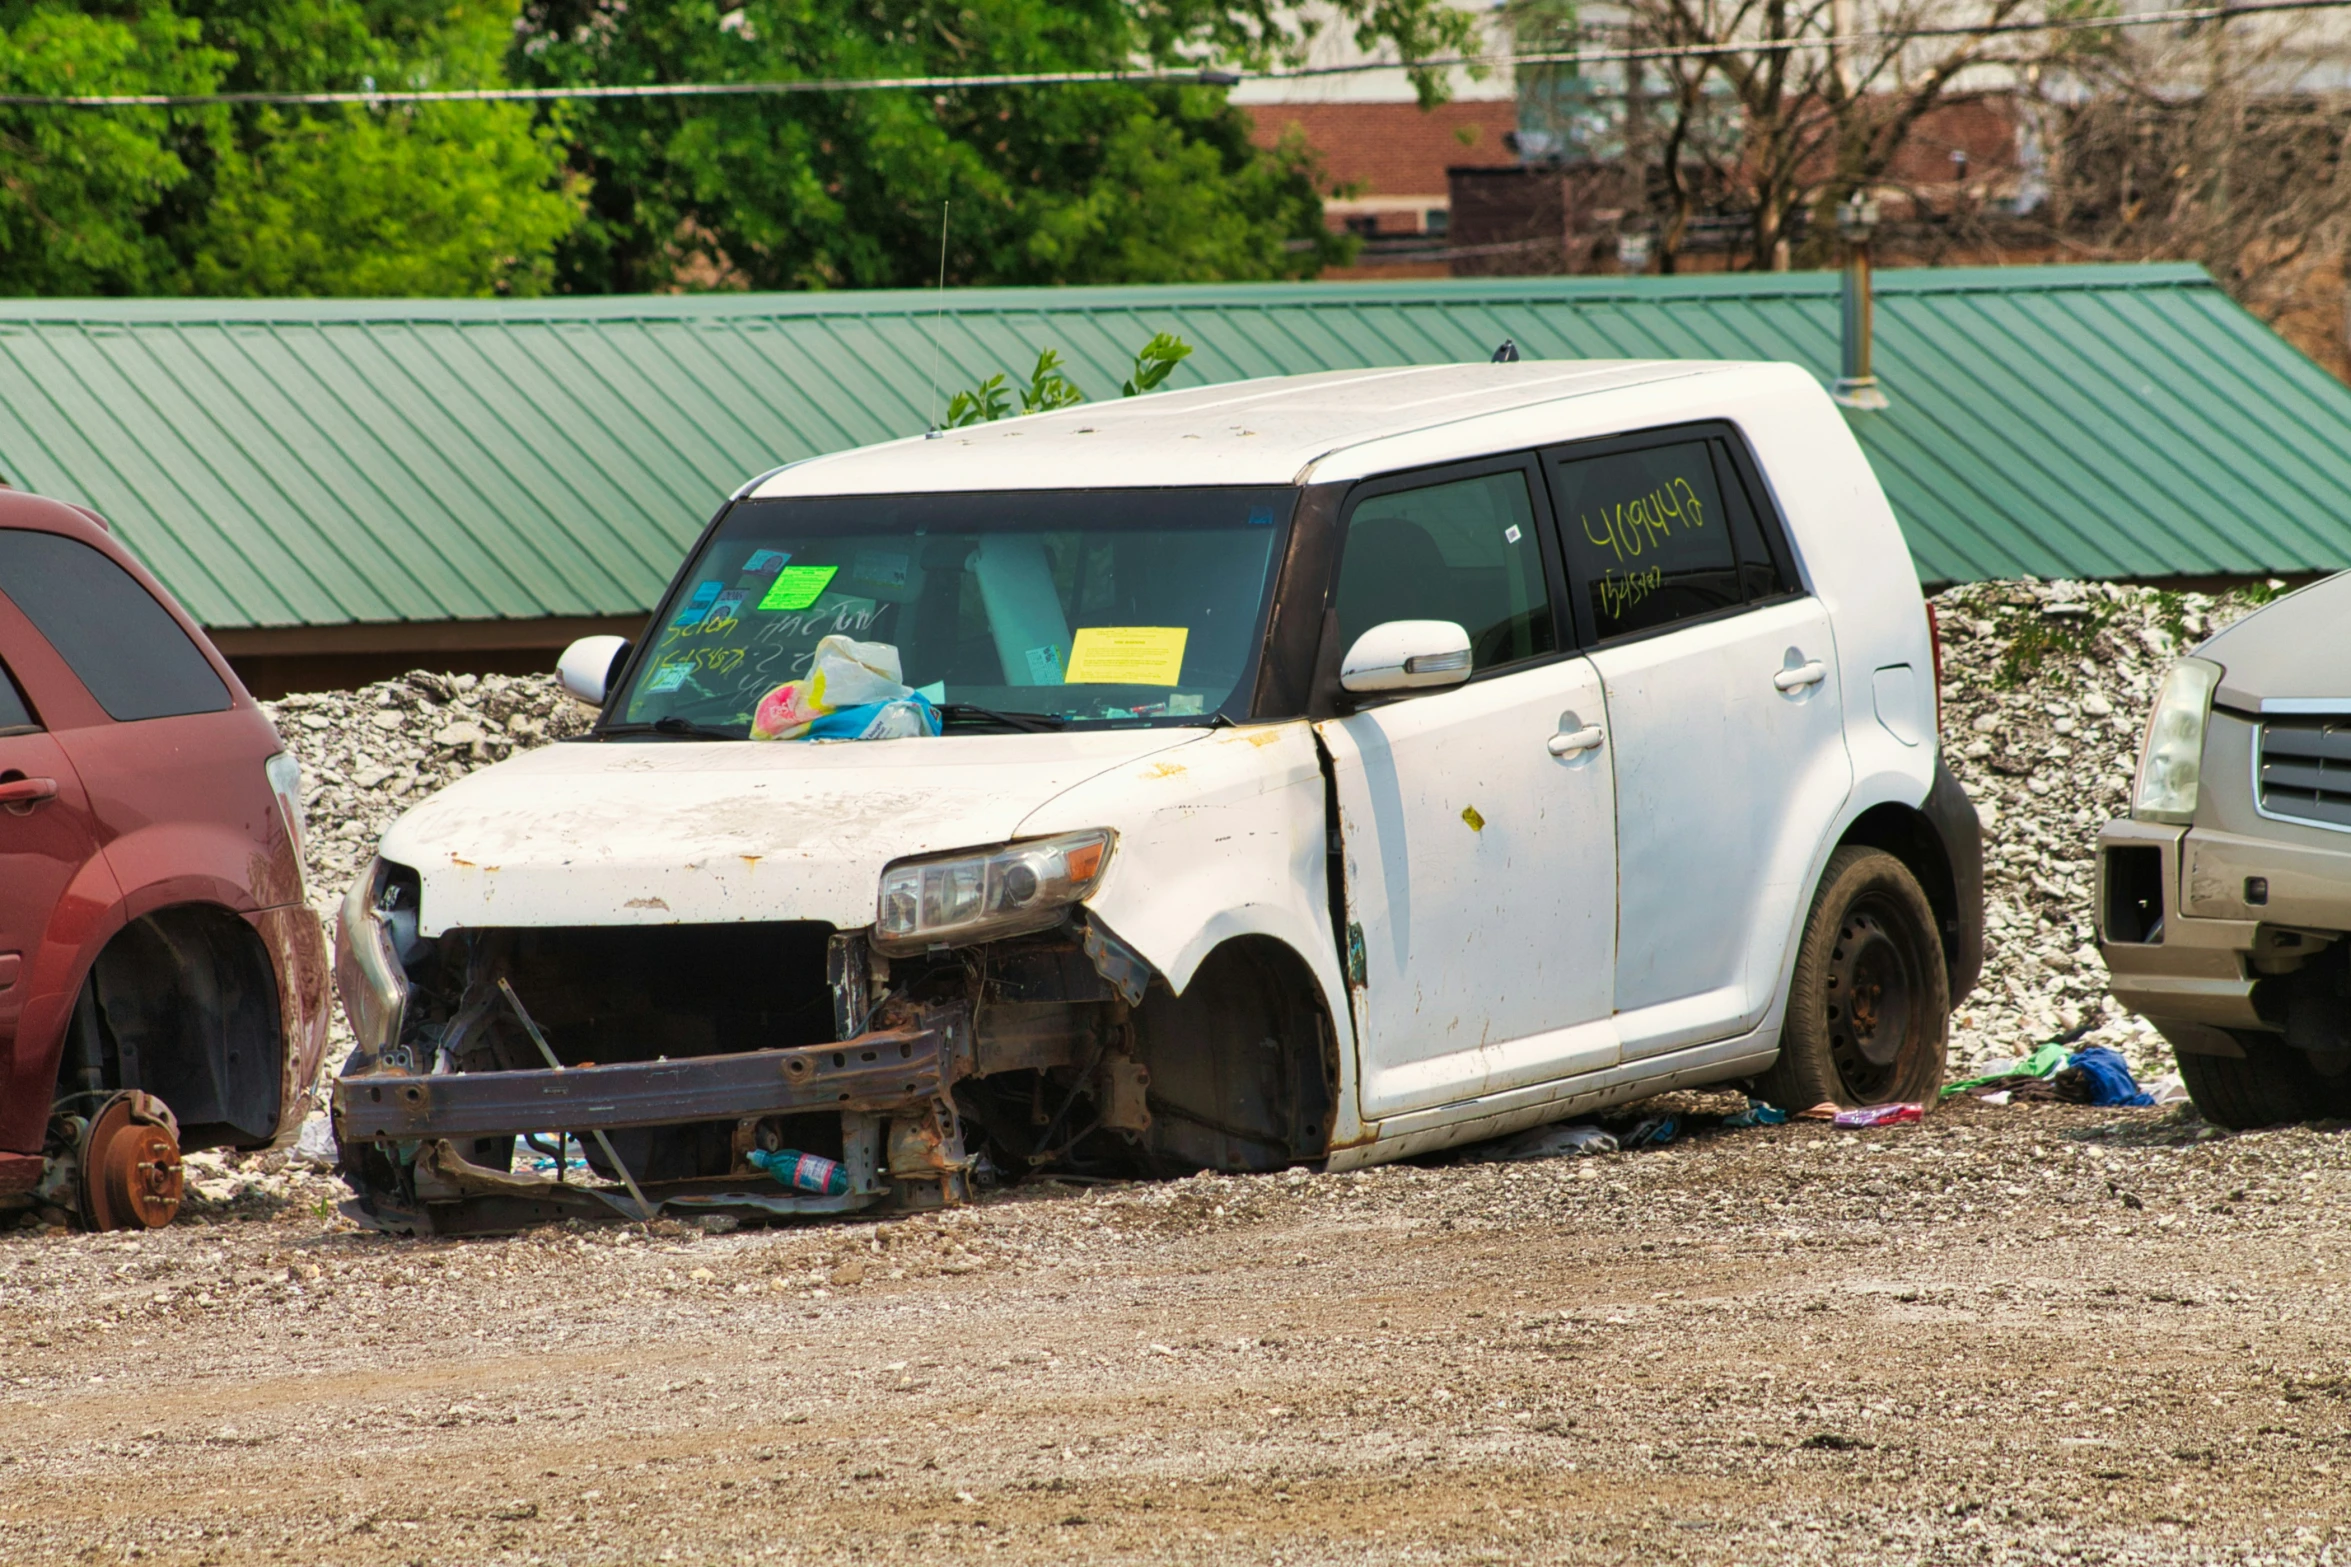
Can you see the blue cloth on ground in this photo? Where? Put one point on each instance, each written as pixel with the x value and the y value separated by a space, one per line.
pixel 2109 1077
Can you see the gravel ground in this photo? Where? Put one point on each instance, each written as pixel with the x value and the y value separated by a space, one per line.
pixel 2031 1334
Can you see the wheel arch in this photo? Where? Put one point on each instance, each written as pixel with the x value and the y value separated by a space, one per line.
pixel 1910 835
pixel 1221 1099
pixel 183 1002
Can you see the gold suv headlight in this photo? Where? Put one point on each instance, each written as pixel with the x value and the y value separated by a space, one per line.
pixel 2171 761
pixel 982 894
pixel 368 975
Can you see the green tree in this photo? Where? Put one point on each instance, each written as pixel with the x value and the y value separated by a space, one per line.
pixel 434 199
pixel 439 199
pixel 1091 183
pixel 76 186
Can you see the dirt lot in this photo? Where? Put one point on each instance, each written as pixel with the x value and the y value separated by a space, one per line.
pixel 2030 1333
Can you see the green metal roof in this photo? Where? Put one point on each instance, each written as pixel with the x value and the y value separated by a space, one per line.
pixel 327 462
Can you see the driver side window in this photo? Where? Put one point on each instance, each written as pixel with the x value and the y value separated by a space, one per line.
pixel 1465 551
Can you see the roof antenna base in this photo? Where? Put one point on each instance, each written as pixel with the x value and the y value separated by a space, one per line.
pixel 1859 391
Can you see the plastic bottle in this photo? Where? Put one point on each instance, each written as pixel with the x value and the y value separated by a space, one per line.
pixel 806 1172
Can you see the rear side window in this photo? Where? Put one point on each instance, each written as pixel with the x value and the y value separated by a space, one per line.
pixel 109 630
pixel 1464 551
pixel 1648 539
pixel 16 715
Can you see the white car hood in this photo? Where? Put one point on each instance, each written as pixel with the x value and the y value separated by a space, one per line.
pixel 701 832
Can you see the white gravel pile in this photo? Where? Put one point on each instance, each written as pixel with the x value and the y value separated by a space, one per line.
pixel 370 754
pixel 2045 688
pixel 2045 692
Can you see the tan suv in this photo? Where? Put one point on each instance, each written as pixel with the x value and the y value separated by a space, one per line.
pixel 2225 897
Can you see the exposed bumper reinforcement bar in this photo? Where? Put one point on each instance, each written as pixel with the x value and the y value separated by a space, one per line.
pixel 913 1059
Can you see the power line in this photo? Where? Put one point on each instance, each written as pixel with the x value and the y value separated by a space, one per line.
pixel 1209 76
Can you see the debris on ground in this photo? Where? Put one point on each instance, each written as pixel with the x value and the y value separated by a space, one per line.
pixel 2096 1075
pixel 1878 1115
pixel 1559 1140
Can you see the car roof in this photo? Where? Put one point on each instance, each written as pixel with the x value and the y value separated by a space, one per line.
pixel 23 509
pixel 1272 431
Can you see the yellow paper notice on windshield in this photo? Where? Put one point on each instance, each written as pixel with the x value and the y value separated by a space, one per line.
pixel 1127 656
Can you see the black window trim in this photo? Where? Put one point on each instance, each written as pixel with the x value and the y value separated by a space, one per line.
pixel 207 657
pixel 1525 461
pixel 1746 473
pixel 10 731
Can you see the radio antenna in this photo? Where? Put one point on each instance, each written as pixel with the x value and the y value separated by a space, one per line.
pixel 937 312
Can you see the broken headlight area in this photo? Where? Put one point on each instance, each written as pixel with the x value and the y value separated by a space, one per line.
pixel 688 1060
pixel 982 894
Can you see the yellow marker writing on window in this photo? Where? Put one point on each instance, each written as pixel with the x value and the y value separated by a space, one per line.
pixel 1127 656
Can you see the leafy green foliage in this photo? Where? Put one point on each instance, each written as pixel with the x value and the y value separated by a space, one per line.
pixel 1050 386
pixel 438 199
pixel 1155 362
pixel 2035 637
pixel 1090 183
pixel 75 188
pixel 1097 183
pixel 983 404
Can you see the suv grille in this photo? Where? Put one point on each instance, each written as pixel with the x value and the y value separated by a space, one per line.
pixel 2306 769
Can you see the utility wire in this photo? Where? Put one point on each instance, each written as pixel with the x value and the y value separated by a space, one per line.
pixel 1209 76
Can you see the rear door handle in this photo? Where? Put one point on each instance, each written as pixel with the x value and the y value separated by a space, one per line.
pixel 1570 742
pixel 1802 675
pixel 27 792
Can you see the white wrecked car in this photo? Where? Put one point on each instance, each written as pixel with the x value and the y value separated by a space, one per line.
pixel 1330 769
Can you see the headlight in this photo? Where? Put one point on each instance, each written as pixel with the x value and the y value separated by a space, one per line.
pixel 368 975
pixel 987 893
pixel 2171 760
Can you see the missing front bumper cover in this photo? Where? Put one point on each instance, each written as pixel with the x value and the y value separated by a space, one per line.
pixel 909 1062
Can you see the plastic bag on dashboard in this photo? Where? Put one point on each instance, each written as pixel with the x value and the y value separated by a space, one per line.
pixel 853 691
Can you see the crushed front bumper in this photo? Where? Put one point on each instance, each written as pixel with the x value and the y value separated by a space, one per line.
pixel 890 1085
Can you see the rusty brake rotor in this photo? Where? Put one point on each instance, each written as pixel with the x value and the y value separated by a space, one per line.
pixel 130 1164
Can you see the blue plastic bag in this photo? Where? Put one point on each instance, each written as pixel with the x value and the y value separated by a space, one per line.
pixel 899 719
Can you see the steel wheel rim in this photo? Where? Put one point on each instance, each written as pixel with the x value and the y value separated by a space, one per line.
pixel 1872 998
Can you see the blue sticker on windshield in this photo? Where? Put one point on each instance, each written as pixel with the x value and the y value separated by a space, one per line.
pixel 1261 516
pixel 766 563
pixel 705 594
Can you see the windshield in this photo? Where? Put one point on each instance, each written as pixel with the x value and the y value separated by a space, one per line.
pixel 1083 606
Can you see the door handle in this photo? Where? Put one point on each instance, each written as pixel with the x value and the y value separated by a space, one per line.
pixel 1802 675
pixel 24 793
pixel 1570 742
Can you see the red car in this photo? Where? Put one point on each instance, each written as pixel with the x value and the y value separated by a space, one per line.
pixel 163 983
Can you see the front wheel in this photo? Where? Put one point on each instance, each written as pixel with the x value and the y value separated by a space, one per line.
pixel 1869 1008
pixel 2271 1084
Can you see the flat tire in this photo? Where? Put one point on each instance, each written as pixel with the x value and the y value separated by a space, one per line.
pixel 1869 1004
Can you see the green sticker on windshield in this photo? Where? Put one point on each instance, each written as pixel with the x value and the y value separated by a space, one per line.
pixel 797 587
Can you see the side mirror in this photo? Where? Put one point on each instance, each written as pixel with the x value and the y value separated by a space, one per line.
pixel 1406 655
pixel 588 665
